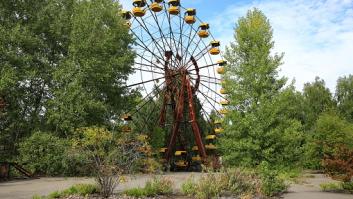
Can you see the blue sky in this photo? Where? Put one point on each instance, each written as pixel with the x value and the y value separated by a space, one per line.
pixel 315 35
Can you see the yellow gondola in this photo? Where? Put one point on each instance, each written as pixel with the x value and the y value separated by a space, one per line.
pixel 203 33
pixel 218 130
pixel 126 15
pixel 222 62
pixel 224 102
pixel 210 146
pixel 223 91
pixel 163 150
pixel 215 48
pixel 138 10
pixel 181 163
pixel 217 122
pixel 211 137
pixel 190 17
pixel 174 7
pixel 196 158
pixel 126 117
pixel 179 153
pixel 223 111
pixel 156 7
pixel 221 70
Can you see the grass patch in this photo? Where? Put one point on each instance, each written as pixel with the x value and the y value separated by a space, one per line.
pixel 233 182
pixel 79 189
pixel 156 186
pixel 340 187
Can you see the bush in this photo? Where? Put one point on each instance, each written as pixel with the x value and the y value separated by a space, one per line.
pixel 340 165
pixel 189 187
pixel 157 186
pixel 109 154
pixel 329 132
pixel 229 183
pixel 271 183
pixel 78 189
pixel 331 187
pixel 43 153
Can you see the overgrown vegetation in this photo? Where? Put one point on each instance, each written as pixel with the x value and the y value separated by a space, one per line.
pixel 156 186
pixel 343 187
pixel 235 183
pixel 79 189
pixel 108 154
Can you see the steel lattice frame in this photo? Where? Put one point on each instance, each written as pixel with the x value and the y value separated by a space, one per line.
pixel 173 61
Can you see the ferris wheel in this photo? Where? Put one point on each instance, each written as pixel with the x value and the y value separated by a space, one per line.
pixel 178 65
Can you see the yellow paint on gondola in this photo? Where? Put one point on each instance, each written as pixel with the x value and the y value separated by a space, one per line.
pixel 218 130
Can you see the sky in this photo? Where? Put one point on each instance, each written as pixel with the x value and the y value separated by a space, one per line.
pixel 316 36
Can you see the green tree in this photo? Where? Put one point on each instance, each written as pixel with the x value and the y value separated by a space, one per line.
pixel 261 125
pixel 329 133
pixel 317 99
pixel 63 65
pixel 33 41
pixel 89 84
pixel 344 96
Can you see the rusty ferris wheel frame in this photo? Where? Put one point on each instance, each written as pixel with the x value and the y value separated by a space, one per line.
pixel 175 54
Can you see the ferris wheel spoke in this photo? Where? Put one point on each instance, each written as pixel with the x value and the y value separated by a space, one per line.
pixel 206 66
pixel 180 42
pixel 144 26
pixel 205 76
pixel 144 46
pixel 150 95
pixel 207 99
pixel 172 38
pixel 206 81
pixel 213 91
pixel 144 82
pixel 163 37
pixel 140 69
pixel 152 64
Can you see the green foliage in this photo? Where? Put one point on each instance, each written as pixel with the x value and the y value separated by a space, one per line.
pixel 265 121
pixel 156 186
pixel 78 189
pixel 63 65
pixel 189 187
pixel 329 132
pixel 344 96
pixel 271 183
pixel 331 187
pixel 345 187
pixel 43 153
pixel 109 154
pixel 339 165
pixel 234 182
pixel 317 99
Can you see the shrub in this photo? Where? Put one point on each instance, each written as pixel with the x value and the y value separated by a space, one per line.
pixel 331 187
pixel 154 187
pixel 230 182
pixel 340 165
pixel 242 182
pixel 346 187
pixel 78 189
pixel 43 153
pixel 271 183
pixel 189 187
pixel 109 154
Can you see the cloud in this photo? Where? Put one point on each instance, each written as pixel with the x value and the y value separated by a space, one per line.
pixel 316 36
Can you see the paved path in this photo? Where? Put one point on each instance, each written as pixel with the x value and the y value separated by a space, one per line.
pixel 24 189
pixel 309 188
